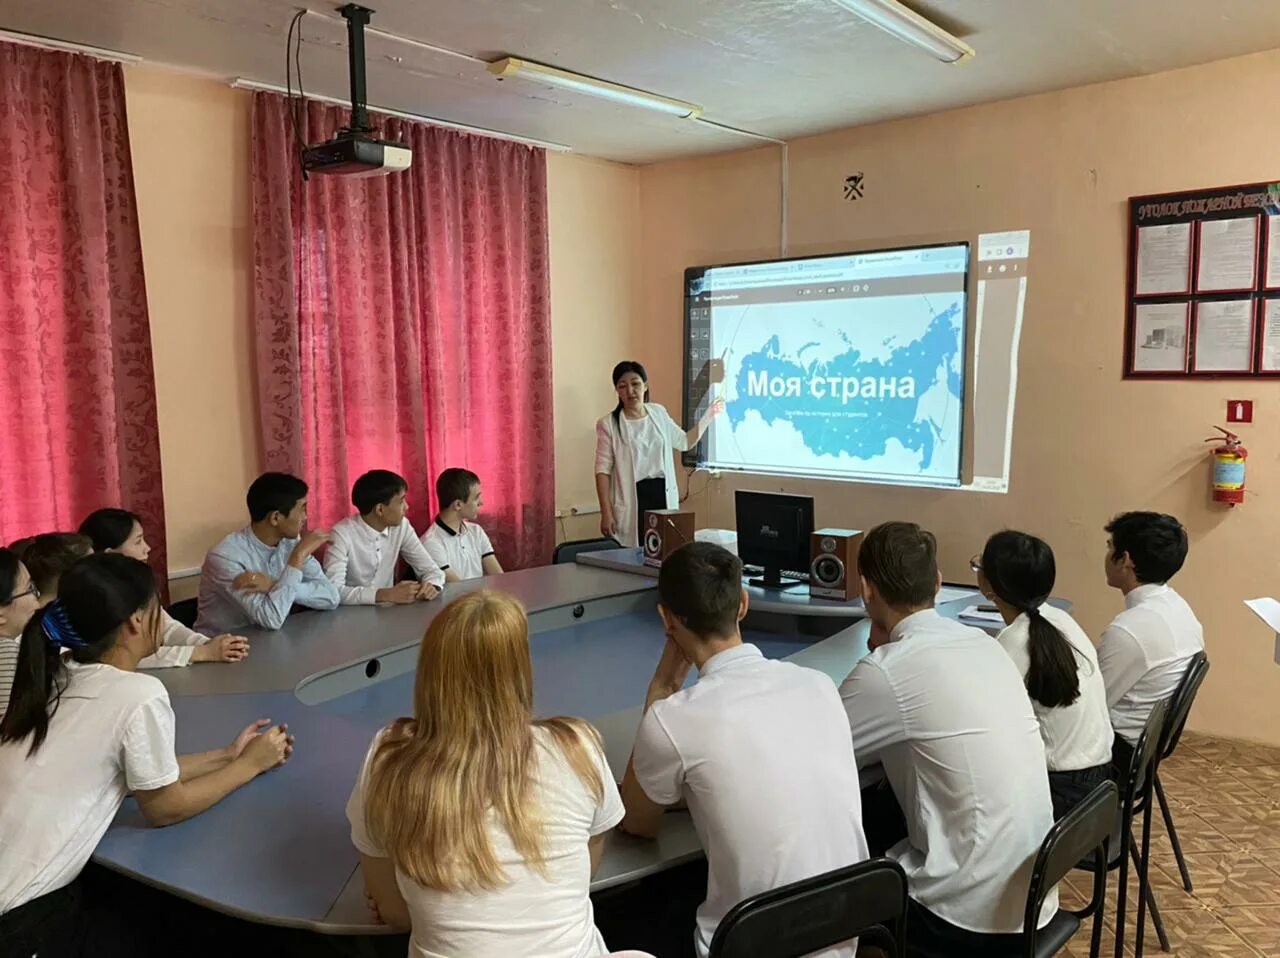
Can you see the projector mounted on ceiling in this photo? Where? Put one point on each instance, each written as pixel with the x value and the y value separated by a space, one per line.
pixel 355 151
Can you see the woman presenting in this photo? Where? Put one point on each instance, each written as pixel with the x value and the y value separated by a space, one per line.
pixel 635 455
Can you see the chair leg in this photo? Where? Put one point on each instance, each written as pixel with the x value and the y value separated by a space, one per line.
pixel 1122 893
pixel 1156 921
pixel 1095 942
pixel 1173 835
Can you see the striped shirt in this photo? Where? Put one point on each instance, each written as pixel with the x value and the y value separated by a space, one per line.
pixel 8 669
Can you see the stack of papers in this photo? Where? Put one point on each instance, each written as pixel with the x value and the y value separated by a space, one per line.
pixel 978 616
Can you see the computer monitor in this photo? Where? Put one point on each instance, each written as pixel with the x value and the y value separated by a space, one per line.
pixel 774 532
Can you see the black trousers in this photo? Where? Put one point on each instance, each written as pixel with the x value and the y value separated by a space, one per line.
pixel 1068 788
pixel 1121 760
pixel 929 936
pixel 657 914
pixel 651 494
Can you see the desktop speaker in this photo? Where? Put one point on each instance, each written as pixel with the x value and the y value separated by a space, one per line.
pixel 665 531
pixel 833 565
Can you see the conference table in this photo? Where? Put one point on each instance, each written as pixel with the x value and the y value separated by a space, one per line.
pixel 278 851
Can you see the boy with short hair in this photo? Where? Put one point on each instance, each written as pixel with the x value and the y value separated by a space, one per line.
pixel 1147 647
pixel 364 548
pixel 759 749
pixel 255 575
pixel 457 544
pixel 945 710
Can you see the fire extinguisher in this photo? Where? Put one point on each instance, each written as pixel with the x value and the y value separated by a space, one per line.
pixel 1228 467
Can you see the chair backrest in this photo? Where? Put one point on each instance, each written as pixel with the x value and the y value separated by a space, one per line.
pixel 569 551
pixel 1180 705
pixel 1137 781
pixel 185 612
pixel 816 913
pixel 1084 830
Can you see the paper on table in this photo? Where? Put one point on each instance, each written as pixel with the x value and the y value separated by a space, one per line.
pixel 1268 610
pixel 977 615
pixel 1228 254
pixel 1164 259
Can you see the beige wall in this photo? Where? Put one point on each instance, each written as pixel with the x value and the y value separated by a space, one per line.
pixel 190 140
pixel 594 222
pixel 1086 443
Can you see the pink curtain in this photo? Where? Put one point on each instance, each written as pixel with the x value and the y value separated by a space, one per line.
pixel 78 423
pixel 403 321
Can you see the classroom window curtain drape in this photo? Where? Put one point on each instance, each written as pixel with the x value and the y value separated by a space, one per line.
pixel 403 321
pixel 78 424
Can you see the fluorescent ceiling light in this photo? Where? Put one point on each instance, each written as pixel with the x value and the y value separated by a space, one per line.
pixel 566 80
pixel 909 27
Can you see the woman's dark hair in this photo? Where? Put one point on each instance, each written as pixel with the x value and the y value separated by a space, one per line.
pixel 1021 571
pixel 9 566
pixel 49 555
pixel 109 528
pixel 96 596
pixel 620 370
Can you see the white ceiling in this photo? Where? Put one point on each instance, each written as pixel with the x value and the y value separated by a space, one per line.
pixel 784 68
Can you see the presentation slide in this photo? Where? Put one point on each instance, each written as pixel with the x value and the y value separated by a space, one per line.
pixel 842 367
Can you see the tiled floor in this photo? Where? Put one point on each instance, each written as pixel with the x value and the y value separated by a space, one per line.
pixel 1225 798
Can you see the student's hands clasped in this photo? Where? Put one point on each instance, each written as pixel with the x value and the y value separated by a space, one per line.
pixel 222 648
pixel 407 592
pixel 668 677
pixel 262 745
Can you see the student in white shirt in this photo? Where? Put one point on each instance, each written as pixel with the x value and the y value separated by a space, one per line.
pixel 635 454
pixel 364 548
pixel 1147 648
pixel 945 711
pixel 759 749
pixel 479 827
pixel 454 541
pixel 83 730
pixel 118 530
pixel 1059 664
pixel 19 599
pixel 256 575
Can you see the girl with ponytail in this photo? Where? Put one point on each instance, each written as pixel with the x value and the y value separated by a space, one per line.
pixel 83 729
pixel 1016 571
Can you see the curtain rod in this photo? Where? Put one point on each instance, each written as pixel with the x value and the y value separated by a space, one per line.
pixel 66 46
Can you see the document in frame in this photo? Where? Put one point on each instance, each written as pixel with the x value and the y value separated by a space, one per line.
pixel 1163 260
pixel 1160 337
pixel 1272 276
pixel 1270 336
pixel 1223 336
pixel 1228 255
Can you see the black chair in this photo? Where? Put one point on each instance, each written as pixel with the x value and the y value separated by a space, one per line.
pixel 185 612
pixel 818 912
pixel 1086 828
pixel 1180 707
pixel 569 551
pixel 1135 790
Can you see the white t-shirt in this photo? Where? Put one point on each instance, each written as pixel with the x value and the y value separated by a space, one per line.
pixel 549 917
pixel 1144 653
pixel 112 734
pixel 943 708
pixel 1078 735
pixel 462 551
pixel 761 752
pixel 644 436
pixel 360 560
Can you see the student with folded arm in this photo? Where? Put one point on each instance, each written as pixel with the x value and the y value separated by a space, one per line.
pixel 256 575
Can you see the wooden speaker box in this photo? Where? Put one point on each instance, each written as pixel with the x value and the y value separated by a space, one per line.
pixel 833 564
pixel 665 531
